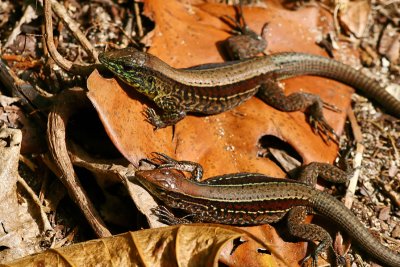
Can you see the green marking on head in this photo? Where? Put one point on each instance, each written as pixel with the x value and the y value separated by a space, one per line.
pixel 129 66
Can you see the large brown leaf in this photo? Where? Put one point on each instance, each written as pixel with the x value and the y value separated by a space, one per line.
pixel 186 35
pixel 226 142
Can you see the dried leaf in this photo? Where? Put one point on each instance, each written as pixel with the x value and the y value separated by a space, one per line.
pixel 354 18
pixel 7 101
pixel 389 45
pixel 190 245
pixel 19 232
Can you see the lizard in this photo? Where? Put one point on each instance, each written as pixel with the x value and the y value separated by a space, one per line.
pixel 215 88
pixel 253 199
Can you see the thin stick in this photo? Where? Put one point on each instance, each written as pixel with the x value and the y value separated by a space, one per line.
pixel 56 128
pixel 357 158
pixel 59 59
pixel 138 19
pixel 46 224
pixel 60 11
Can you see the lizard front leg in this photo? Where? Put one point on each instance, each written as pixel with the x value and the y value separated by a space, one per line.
pixel 310 232
pixel 309 173
pixel 172 112
pixel 162 161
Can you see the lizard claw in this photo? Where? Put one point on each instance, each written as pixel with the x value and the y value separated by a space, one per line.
pixel 313 256
pixel 154 119
pixel 314 260
pixel 167 217
pixel 331 107
pixel 320 125
pixel 162 161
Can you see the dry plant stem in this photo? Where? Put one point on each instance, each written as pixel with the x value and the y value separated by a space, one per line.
pixel 128 29
pixel 12 84
pixel 116 170
pixel 396 151
pixel 46 224
pixel 46 158
pixel 43 187
pixel 357 158
pixel 81 158
pixel 138 19
pixel 32 166
pixel 66 240
pixel 68 102
pixel 336 20
pixel 390 137
pixel 28 16
pixel 62 62
pixel 127 37
pixel 388 190
pixel 61 192
pixel 60 11
pixel 391 239
pixel 351 188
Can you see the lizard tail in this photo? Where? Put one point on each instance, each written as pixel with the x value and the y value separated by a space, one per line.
pixel 337 212
pixel 294 64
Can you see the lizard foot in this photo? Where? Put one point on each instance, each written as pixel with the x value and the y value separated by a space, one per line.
pixel 162 161
pixel 320 125
pixel 167 217
pixel 154 119
pixel 313 256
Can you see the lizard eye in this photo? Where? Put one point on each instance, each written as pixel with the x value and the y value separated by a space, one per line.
pixel 127 67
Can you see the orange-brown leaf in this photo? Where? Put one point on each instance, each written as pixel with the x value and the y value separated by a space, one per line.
pixel 187 35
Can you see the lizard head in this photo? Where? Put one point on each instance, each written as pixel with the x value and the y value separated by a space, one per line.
pixel 131 66
pixel 161 182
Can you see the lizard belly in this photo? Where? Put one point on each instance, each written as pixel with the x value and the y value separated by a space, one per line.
pixel 216 104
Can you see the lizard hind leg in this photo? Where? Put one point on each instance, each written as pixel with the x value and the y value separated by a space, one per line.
pixel 272 94
pixel 309 173
pixel 310 232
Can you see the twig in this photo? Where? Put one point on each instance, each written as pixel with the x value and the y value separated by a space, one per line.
pixel 396 151
pixel 58 192
pixel 357 158
pixel 351 188
pixel 46 224
pixel 390 137
pixel 60 11
pixel 138 19
pixel 127 31
pixel 31 98
pixel 336 20
pixel 118 170
pixel 43 187
pixel 81 69
pixel 68 102
pixel 391 2
pixel 32 166
pixel 66 240
pixel 387 189
pixel 27 17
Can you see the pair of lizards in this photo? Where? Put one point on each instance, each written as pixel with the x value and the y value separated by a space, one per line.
pixel 247 198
